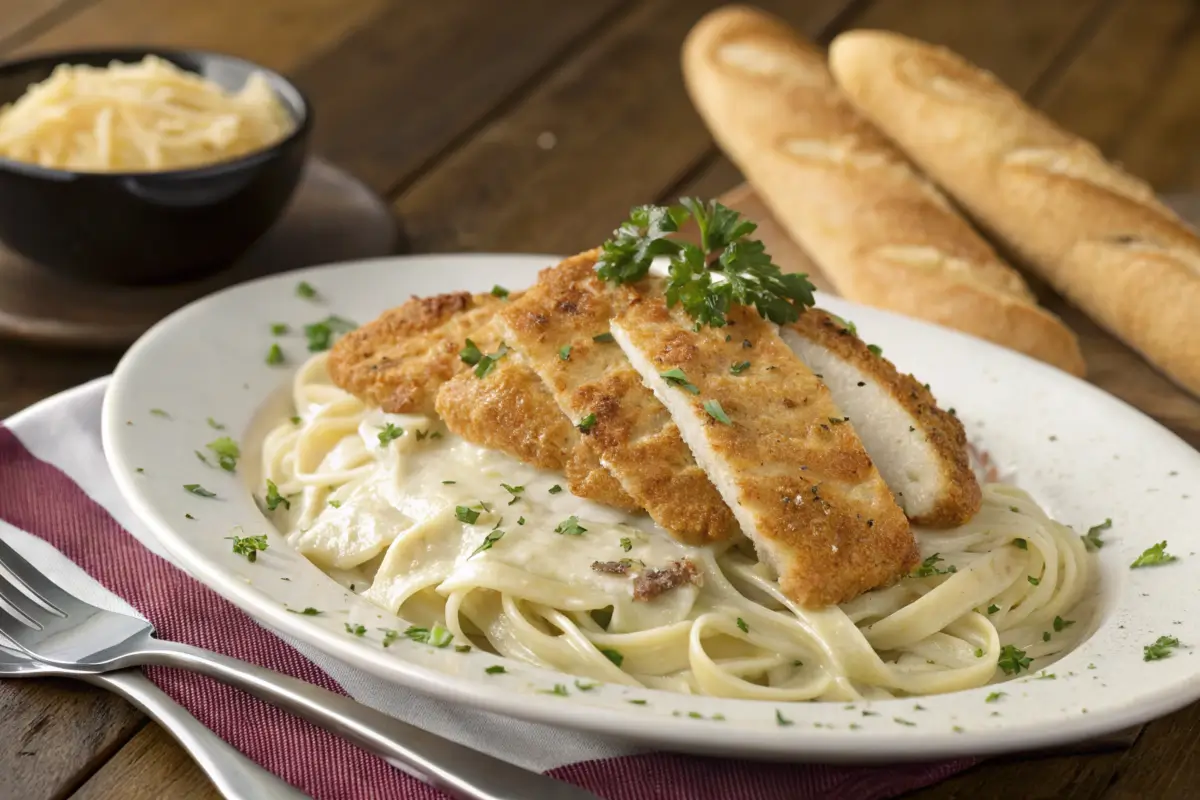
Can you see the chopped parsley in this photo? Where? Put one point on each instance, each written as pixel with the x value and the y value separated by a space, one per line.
pixel 781 720
pixel 902 721
pixel 637 702
pixel 296 420
pixel 274 498
pixel 158 412
pixel 570 527
pixel 436 636
pixel 555 489
pixel 274 354
pixel 603 338
pixel 739 368
pixel 750 276
pixel 389 636
pixel 1153 556
pixel 675 377
pixel 994 696
pixel 279 328
pixel 1091 539
pixel 488 542
pixel 741 623
pixel 993 608
pixel 216 426
pixel 1013 660
pixel 308 612
pixel 388 433
pixel 188 516
pixel 587 423
pixel 449 483
pixel 626 543
pixel 495 669
pixel 1021 544
pixel 248 546
pixel 499 291
pixel 515 491
pixel 585 687
pixel 875 349
pixel 1061 624
pixel 321 334
pixel 612 655
pixel 559 690
pixel 713 407
pixel 335 503
pixel 520 520
pixel 564 352
pixel 466 514
pixel 1160 649
pixel 357 630
pixel 202 457
pixel 226 451
pixel 470 354
pixel 198 490
pixel 1033 580
pixel 305 289
pixel 930 567
pixel 486 362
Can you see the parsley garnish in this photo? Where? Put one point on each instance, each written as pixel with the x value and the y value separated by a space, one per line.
pixel 227 452
pixel 585 687
pixel 216 426
pixel 1033 580
pixel 308 612
pixel 1061 624
pixel 1153 556
pixel 930 567
pixel 203 459
pixel 559 690
pixel 158 412
pixel 875 349
pixel 612 655
pixel 515 491
pixel 564 352
pixel 436 636
pixel 750 276
pixel 335 503
pixel 321 334
pixel 499 291
pixel 279 328
pixel 637 702
pixel 570 527
pixel 741 623
pixel 603 338
pixel 994 696
pixel 470 354
pixel 275 354
pixel 626 543
pixel 296 420
pixel 739 368
pixel 357 630
pixel 274 498
pixel 388 433
pixel 1160 649
pixel 555 489
pixel 389 636
pixel 465 514
pixel 993 608
pixel 1021 544
pixel 520 520
pixel 781 720
pixel 495 669
pixel 488 541
pixel 587 423
pixel 1092 538
pixel 199 490
pixel 715 411
pixel 675 377
pixel 901 721
pixel 1013 660
pixel 488 361
pixel 305 289
pixel 248 546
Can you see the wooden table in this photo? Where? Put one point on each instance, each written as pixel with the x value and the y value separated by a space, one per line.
pixel 532 125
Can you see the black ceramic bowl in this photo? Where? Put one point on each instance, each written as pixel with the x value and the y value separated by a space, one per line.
pixel 148 227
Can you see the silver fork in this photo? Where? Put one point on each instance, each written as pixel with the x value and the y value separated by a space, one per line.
pixel 77 636
pixel 235 776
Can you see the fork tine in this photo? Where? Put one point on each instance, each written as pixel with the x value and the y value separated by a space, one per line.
pixel 37 583
pixel 24 603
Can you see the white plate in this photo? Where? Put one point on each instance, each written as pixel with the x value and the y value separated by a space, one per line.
pixel 1083 454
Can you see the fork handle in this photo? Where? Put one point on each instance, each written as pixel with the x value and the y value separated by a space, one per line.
pixel 455 769
pixel 235 776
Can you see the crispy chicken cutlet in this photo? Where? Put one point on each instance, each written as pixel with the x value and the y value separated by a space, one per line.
pixel 920 450
pixel 781 452
pixel 561 326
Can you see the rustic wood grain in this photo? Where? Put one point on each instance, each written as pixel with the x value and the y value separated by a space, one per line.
pixel 421 75
pixel 56 733
pixel 17 16
pixel 612 128
pixel 150 767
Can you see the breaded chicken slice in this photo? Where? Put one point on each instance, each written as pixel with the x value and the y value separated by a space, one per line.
pixel 400 360
pixel 512 411
pixel 920 450
pixel 561 326
pixel 771 438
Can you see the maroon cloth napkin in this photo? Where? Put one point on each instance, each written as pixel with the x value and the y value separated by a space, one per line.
pixel 39 498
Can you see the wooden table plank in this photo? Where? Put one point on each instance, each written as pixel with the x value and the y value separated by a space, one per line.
pixel 401 90
pixel 19 15
pixel 610 129
pixel 56 733
pixel 150 767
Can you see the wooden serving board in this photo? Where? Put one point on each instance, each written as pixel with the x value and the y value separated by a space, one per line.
pixel 1111 365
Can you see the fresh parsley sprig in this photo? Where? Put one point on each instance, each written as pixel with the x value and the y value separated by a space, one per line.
pixel 750 277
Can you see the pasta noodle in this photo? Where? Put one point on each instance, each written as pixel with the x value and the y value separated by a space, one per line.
pixel 411 519
pixel 148 116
